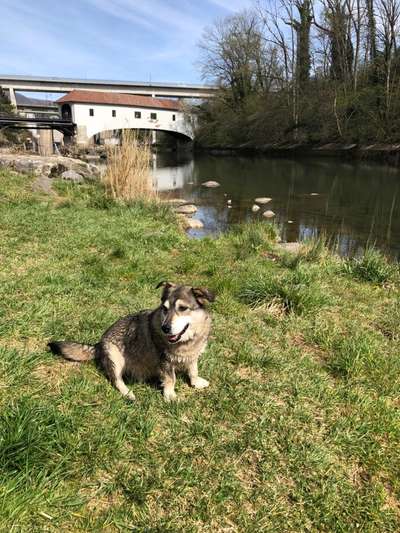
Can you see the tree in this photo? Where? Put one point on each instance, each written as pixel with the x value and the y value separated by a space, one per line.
pixel 337 25
pixel 234 55
pixel 5 106
pixel 303 29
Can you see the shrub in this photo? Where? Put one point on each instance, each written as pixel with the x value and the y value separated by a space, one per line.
pixel 251 236
pixel 128 175
pixel 371 266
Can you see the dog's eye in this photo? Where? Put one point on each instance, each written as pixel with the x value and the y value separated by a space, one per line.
pixel 182 308
pixel 164 308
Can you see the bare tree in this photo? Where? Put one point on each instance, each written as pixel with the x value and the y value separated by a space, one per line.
pixel 388 31
pixel 336 25
pixel 234 54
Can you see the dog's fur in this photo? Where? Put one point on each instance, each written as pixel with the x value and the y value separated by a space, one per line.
pixel 152 343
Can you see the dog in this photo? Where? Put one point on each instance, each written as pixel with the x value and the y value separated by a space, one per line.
pixel 152 344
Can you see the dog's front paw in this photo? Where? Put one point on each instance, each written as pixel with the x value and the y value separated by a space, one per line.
pixel 169 395
pixel 130 396
pixel 199 383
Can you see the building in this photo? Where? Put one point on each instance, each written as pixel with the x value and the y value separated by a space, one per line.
pixel 99 116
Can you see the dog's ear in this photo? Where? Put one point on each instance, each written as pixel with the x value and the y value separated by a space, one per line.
pixel 203 295
pixel 166 287
pixel 164 284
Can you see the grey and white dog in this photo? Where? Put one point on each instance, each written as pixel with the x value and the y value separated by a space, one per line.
pixel 152 343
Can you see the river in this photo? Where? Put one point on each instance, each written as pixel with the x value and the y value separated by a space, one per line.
pixel 353 203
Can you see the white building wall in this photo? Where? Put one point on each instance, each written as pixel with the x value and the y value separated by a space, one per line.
pixel 102 119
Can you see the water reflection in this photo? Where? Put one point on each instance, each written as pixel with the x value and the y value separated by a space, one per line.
pixel 171 177
pixel 355 203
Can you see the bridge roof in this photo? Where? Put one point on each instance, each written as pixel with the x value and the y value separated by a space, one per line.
pixel 118 99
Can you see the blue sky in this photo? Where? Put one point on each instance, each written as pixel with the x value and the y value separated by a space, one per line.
pixel 107 39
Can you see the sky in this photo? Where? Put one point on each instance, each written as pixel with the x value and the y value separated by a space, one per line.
pixel 136 40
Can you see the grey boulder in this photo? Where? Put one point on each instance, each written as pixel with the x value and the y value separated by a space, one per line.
pixel 71 175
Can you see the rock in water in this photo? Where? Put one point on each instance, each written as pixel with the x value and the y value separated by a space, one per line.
pixel 190 223
pixel 186 209
pixel 193 223
pixel 255 208
pixel 262 200
pixel 268 214
pixel 211 184
pixel 71 175
pixel 175 201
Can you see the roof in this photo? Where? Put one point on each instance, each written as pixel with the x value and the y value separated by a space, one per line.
pixel 131 100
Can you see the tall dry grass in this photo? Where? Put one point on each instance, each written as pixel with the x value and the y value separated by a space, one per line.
pixel 128 175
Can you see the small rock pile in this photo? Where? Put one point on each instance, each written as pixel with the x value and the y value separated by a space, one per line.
pixel 185 211
pixel 51 166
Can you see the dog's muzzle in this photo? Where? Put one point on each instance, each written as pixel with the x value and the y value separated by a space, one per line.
pixel 172 339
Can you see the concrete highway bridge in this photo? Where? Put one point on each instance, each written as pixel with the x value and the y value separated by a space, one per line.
pixel 91 108
pixel 12 83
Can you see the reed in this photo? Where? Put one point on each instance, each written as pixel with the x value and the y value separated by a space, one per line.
pixel 128 175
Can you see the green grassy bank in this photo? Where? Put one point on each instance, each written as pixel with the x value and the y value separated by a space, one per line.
pixel 299 430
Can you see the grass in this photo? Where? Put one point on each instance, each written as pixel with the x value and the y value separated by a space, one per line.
pixel 296 291
pixel 127 176
pixel 371 266
pixel 299 430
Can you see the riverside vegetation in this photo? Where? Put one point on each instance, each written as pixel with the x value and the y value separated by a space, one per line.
pixel 299 430
pixel 303 71
pixel 128 175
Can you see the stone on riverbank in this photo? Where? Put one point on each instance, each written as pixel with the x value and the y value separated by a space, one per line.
pixel 190 223
pixel 175 201
pixel 194 223
pixel 51 166
pixel 43 184
pixel 268 214
pixel 71 175
pixel 262 200
pixel 211 184
pixel 189 209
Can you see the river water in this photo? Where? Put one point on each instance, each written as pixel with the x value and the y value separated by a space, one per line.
pixel 353 203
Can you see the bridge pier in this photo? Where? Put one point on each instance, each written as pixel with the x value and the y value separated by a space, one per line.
pixel 82 138
pixel 46 142
pixel 11 97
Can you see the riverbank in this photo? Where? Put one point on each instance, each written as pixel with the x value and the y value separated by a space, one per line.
pixel 298 430
pixel 388 153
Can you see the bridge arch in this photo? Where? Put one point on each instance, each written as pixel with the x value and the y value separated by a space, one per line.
pixel 115 133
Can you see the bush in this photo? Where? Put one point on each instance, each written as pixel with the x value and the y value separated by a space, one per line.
pixel 128 175
pixel 371 266
pixel 251 236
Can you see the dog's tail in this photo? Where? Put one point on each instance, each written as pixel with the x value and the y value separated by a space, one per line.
pixel 73 351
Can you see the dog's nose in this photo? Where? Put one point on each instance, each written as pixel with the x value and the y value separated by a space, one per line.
pixel 166 328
